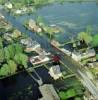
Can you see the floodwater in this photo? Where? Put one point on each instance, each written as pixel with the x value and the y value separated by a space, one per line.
pixel 73 17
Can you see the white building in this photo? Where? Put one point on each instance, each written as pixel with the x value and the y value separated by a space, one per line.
pixel 9 5
pixel 30 44
pixel 77 56
pixel 33 26
pixel 39 59
pixel 55 72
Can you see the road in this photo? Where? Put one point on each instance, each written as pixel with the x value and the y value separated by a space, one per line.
pixel 81 74
pixel 87 83
pixel 68 61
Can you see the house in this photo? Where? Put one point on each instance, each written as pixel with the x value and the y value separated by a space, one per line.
pixel 29 44
pixel 93 64
pixel 32 46
pixel 42 51
pixel 48 92
pixel 55 72
pixel 34 27
pixel 55 43
pixel 18 11
pixel 32 23
pixel 16 33
pixel 35 60
pixel 9 5
pixel 78 56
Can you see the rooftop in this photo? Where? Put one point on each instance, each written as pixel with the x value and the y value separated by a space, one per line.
pixel 48 92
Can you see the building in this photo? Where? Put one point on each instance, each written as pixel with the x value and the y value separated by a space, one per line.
pixel 8 5
pixel 55 72
pixel 39 59
pixel 34 27
pixel 48 92
pixel 30 45
pixel 78 56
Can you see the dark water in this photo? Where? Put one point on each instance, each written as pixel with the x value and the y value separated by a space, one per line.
pixel 73 17
pixel 11 87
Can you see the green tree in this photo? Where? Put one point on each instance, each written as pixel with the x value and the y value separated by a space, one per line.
pixel 18 48
pixel 85 36
pixel 4 70
pixel 40 20
pixel 12 66
pixel 6 53
pixel 22 59
pixel 95 40
pixel 1 44
pixel 11 50
pixel 2 55
pixel 64 95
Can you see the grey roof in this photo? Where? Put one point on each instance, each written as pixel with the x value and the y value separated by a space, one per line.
pixel 48 92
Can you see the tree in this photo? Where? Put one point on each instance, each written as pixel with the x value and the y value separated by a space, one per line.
pixel 4 70
pixel 12 66
pixel 95 40
pixel 11 50
pixel 40 20
pixel 9 68
pixel 6 53
pixel 83 36
pixel 64 95
pixel 2 55
pixel 18 48
pixel 50 32
pixel 22 59
pixel 1 44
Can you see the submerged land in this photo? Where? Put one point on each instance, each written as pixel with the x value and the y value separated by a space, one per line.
pixel 31 50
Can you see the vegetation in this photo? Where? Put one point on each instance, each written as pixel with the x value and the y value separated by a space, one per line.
pixel 2 55
pixel 1 44
pixel 83 36
pixel 70 93
pixel 8 68
pixel 71 90
pixel 4 70
pixel 10 52
pixel 96 56
pixel 22 59
pixel 11 56
pixel 95 40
